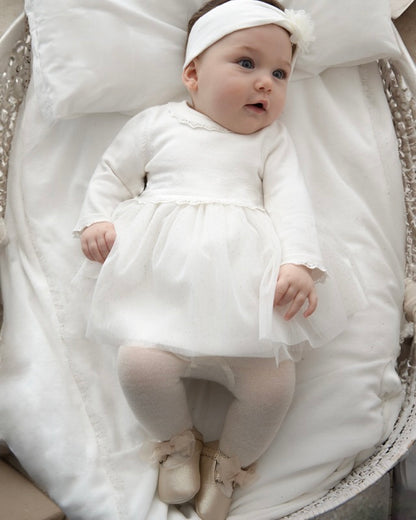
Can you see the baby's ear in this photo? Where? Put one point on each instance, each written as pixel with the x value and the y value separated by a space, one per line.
pixel 190 76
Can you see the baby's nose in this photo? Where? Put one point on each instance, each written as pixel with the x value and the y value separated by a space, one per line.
pixel 264 83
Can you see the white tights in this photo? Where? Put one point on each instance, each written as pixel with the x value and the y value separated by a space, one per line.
pixel 152 381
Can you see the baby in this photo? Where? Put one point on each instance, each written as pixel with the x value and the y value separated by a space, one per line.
pixel 200 218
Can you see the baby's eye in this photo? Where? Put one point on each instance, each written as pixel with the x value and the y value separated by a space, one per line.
pixel 246 63
pixel 280 74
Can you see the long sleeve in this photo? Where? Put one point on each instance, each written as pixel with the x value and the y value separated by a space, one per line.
pixel 287 201
pixel 120 175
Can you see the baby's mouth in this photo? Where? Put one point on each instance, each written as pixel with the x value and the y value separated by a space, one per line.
pixel 257 107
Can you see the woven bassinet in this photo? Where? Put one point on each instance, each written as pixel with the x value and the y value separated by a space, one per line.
pixel 13 84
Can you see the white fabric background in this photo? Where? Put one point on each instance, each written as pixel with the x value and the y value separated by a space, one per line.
pixel 61 409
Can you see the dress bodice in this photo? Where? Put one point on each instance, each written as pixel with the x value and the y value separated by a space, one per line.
pixel 212 165
pixel 175 154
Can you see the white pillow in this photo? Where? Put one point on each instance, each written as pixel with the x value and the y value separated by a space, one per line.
pixel 348 32
pixel 125 55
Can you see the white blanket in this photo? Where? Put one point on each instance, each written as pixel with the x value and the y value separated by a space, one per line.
pixel 61 409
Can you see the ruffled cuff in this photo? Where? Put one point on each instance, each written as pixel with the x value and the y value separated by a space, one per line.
pixel 87 221
pixel 318 272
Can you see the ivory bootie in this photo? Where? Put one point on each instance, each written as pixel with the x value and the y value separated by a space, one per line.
pixel 179 478
pixel 219 476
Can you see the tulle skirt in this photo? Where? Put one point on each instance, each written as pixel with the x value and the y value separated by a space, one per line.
pixel 198 280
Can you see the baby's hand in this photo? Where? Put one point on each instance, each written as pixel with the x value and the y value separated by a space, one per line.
pixel 295 285
pixel 97 241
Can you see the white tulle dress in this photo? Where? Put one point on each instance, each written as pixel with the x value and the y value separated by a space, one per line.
pixel 204 219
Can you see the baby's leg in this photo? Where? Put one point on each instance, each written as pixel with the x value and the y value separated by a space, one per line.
pixel 152 383
pixel 262 396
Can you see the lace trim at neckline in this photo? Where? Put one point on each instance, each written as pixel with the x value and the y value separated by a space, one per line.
pixel 191 117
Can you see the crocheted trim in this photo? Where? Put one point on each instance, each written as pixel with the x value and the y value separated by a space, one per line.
pixel 197 202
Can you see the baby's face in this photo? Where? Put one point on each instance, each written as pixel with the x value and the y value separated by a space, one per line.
pixel 240 82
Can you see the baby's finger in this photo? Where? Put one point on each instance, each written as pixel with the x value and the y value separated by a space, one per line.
pixel 85 248
pixel 313 304
pixel 280 291
pixel 110 238
pixel 296 305
pixel 102 247
pixel 287 297
pixel 95 252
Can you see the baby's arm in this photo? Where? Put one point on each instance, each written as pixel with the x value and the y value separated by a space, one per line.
pixel 287 201
pixel 119 176
pixel 97 241
pixel 294 286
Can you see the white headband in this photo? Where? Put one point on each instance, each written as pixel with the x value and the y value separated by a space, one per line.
pixel 235 15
